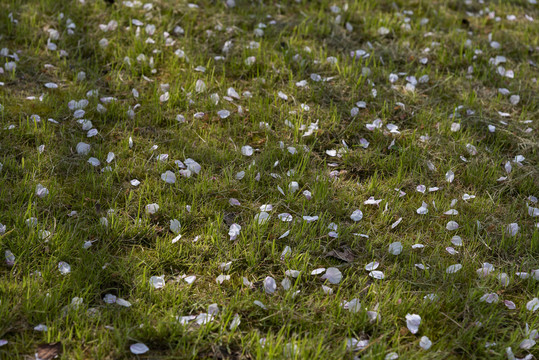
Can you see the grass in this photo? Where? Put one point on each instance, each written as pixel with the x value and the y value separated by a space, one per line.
pixel 290 41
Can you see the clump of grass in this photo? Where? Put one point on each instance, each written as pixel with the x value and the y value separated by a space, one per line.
pixel 327 105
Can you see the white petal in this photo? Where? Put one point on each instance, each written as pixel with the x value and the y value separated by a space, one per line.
pixel 234 202
pixel 452 225
pixel 286 283
pixel 269 285
pixel 395 248
pixel 169 177
pixel 513 229
pixel 394 225
pixel 453 268
pixel 152 208
pixel 247 150
pixel 175 226
pixel 41 191
pixel 259 303
pixel 327 290
pixel 221 278
pixel 285 234
pixel 490 298
pixel 93 161
pixel 109 299
pixel 234 231
pixel 262 217
pixel 292 273
pixel 64 267
pixel 353 305
pixel 510 305
pixel 423 209
pixel 533 305
pixel 527 344
pixel 110 157
pixel 377 275
pixel 139 348
pixel 158 282
pixel 123 302
pixel 310 219
pixel 425 343
pixel 235 322
pixel 286 217
pixel 41 327
pixel 83 148
pixel 412 322
pixel 356 215
pixel 333 275
pixel 456 240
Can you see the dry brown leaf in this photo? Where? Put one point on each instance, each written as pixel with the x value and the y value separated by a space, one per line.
pixel 344 253
pixel 49 351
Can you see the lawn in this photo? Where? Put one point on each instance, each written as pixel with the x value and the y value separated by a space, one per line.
pixel 269 179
